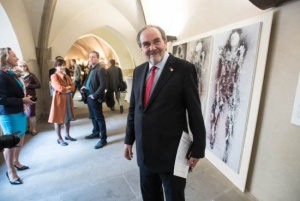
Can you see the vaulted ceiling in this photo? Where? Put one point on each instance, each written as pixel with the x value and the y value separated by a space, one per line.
pixel 110 26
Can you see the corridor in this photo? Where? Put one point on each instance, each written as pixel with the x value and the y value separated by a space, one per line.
pixel 80 172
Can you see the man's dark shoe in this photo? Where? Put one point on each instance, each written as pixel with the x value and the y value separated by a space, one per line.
pixel 121 109
pixel 112 109
pixel 100 144
pixel 91 136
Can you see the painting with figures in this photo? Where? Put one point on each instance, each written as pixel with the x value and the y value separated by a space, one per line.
pixel 233 65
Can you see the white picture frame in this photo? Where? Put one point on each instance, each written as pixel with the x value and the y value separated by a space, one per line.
pixel 239 178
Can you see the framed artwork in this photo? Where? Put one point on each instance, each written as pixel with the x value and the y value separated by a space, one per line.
pixel 233 66
pixel 199 53
pixel 230 62
pixel 180 50
pixel 296 108
pixel 237 172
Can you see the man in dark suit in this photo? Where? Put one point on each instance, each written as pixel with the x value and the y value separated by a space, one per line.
pixel 94 88
pixel 157 125
pixel 115 76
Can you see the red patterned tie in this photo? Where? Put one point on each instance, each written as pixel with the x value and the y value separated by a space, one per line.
pixel 148 86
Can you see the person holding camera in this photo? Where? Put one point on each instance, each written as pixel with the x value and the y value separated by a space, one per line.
pixel 12 116
pixel 31 83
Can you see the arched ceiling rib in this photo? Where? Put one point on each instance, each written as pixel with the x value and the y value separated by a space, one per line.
pixel 74 19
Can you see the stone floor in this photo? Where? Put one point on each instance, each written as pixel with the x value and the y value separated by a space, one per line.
pixel 80 172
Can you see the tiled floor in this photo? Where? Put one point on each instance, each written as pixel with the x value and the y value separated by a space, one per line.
pixel 80 172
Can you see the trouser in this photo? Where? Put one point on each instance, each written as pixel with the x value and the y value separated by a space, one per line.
pixel 155 186
pixel 118 97
pixel 96 114
pixel 77 86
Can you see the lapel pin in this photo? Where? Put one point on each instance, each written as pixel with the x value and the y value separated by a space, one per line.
pixel 171 69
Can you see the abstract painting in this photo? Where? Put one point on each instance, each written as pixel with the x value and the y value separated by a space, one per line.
pixel 232 71
pixel 199 53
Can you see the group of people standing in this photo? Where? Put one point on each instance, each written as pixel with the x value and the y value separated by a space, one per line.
pixel 164 92
pixel 92 89
pixel 18 98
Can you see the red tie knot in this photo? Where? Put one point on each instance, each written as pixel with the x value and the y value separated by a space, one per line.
pixel 153 68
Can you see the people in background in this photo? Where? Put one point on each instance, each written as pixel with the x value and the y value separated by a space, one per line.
pixel 31 83
pixel 94 88
pixel 164 89
pixel 77 76
pixel 12 116
pixel 53 70
pixel 62 109
pixel 115 77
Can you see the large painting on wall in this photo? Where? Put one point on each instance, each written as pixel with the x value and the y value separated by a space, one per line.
pixel 235 56
pixel 233 65
pixel 198 53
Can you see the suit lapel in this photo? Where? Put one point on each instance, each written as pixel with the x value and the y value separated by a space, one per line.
pixel 167 72
pixel 15 84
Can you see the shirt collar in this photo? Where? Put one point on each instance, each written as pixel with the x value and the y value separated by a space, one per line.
pixel 93 66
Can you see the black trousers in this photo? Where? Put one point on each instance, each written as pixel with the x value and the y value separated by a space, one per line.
pixel 155 186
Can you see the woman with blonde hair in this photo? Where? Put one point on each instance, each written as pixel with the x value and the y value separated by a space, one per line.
pixel 62 110
pixel 31 83
pixel 12 116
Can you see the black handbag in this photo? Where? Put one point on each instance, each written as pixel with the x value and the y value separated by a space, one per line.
pixel 122 86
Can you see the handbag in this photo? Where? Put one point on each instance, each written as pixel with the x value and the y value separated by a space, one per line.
pixel 122 86
pixel 9 141
pixel 109 98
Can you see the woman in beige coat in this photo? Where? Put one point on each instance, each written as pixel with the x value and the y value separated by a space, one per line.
pixel 62 111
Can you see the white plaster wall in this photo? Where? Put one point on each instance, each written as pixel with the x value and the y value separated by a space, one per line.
pixel 275 166
pixel 114 39
pixel 17 15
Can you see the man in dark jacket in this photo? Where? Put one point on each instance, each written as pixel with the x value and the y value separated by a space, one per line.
pixel 94 87
pixel 115 77
pixel 157 117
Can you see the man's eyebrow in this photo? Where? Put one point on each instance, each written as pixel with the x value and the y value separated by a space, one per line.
pixel 154 40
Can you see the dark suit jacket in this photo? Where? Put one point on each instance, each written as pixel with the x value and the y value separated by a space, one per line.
pixel 11 95
pixel 98 82
pixel 157 129
pixel 115 77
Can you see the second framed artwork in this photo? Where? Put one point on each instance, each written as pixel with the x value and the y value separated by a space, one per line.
pixel 230 65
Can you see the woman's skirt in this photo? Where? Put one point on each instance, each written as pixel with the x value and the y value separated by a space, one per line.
pixel 11 123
